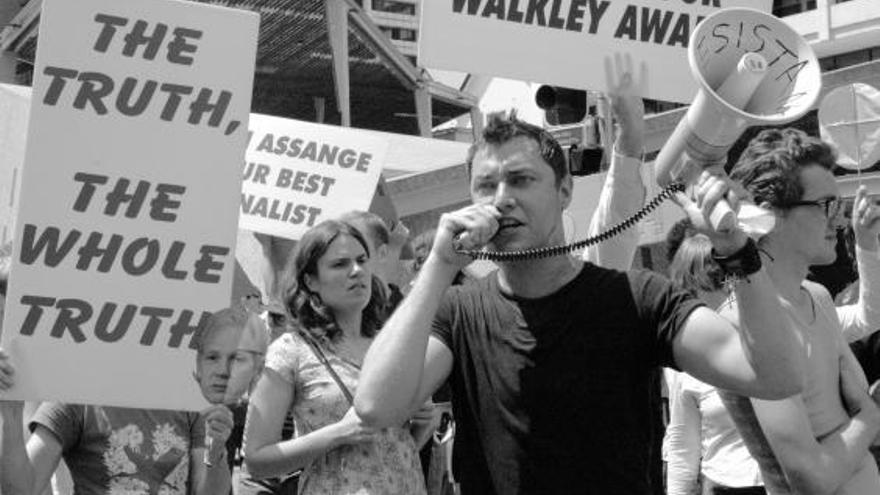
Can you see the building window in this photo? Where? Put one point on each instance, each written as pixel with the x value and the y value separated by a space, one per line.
pixel 399 34
pixel 782 8
pixel 842 60
pixel 658 106
pixel 404 34
pixel 394 7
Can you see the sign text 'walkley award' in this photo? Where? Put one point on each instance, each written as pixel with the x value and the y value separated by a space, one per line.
pixel 566 42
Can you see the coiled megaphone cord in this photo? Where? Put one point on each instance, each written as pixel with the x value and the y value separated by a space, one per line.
pixel 546 252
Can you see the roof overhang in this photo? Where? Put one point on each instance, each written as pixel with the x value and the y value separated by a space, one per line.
pixel 295 75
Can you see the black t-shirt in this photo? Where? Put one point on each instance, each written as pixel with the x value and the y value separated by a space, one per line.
pixel 553 395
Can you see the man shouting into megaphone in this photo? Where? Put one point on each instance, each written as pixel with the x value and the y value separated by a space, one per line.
pixel 551 359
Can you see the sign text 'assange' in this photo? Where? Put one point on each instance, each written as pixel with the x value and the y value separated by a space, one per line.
pixel 128 206
pixel 566 42
pixel 297 174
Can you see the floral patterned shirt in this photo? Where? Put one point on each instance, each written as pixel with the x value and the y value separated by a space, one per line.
pixel 388 466
pixel 121 451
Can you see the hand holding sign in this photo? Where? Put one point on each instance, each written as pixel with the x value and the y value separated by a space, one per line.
pixel 218 427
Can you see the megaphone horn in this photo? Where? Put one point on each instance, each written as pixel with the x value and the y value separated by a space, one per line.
pixel 752 69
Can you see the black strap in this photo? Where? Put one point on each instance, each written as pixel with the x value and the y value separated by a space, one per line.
pixel 316 348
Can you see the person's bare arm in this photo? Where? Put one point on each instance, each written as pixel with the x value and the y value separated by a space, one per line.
pixel 266 454
pixel 863 318
pixel 25 468
pixel 762 356
pixel 623 192
pixel 683 440
pixel 820 467
pixel 403 365
pixel 209 468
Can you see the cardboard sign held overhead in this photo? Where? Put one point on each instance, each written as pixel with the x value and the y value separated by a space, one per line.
pixel 297 174
pixel 565 42
pixel 129 198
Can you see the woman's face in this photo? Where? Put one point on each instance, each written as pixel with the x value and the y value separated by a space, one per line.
pixel 343 278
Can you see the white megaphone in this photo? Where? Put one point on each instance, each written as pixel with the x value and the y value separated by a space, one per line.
pixel 753 69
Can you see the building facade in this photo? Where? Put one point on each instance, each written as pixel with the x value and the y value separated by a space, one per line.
pixel 399 20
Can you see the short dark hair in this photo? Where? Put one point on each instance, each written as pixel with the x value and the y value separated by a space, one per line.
pixel 770 166
pixel 376 229
pixel 502 128
pixel 308 309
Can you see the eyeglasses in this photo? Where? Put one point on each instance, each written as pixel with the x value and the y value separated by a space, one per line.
pixel 830 205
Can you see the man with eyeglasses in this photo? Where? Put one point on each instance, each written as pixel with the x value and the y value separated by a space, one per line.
pixel 817 441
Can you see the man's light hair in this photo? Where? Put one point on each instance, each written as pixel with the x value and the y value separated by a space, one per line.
pixel 254 335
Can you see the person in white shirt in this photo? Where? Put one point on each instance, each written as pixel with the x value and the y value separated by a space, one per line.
pixel 705 453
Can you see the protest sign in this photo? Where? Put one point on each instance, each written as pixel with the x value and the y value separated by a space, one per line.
pixel 565 42
pixel 297 174
pixel 129 198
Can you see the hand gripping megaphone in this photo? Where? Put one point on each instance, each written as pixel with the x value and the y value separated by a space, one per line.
pixel 752 69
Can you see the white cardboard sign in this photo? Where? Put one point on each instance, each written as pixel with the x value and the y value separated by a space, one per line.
pixel 297 174
pixel 129 195
pixel 566 42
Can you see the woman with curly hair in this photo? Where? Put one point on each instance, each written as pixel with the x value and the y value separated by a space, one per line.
pixel 313 371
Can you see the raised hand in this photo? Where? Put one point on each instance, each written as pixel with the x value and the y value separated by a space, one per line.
pixel 471 227
pixel 866 220
pixel 625 88
pixel 710 187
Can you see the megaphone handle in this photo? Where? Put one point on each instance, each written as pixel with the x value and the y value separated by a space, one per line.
pixel 209 446
pixel 722 217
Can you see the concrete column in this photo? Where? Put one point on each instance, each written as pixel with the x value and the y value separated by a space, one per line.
pixel 336 14
pixel 477 123
pixel 823 9
pixel 320 106
pixel 424 113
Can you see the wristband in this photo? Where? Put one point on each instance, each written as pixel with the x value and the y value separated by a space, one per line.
pixel 740 264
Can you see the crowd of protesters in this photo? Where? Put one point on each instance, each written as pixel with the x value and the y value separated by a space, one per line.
pixel 552 365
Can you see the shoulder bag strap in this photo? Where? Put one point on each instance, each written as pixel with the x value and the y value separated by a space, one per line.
pixel 316 348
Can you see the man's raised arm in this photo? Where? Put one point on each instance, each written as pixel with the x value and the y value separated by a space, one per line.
pixel 403 366
pixel 763 357
pixel 623 192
